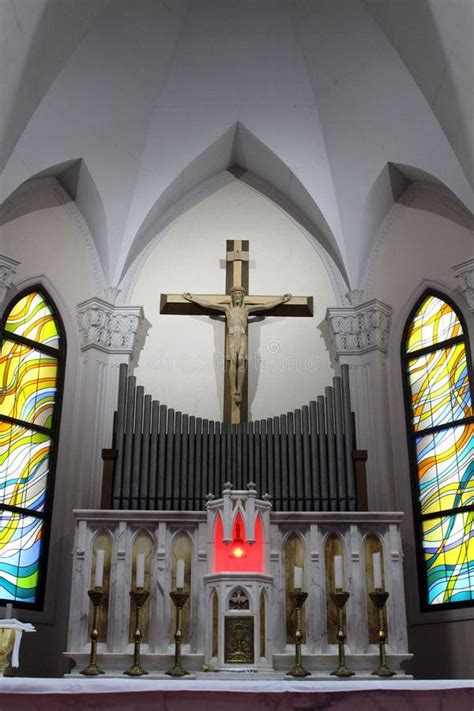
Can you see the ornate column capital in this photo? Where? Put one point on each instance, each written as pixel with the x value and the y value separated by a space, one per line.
pixel 7 270
pixel 464 274
pixel 108 328
pixel 361 328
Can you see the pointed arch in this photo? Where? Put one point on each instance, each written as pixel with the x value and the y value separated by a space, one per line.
pixel 438 386
pixel 181 546
pixel 47 190
pixel 32 361
pixel 235 155
pixel 399 187
pixel 373 543
pixel 293 547
pixel 333 544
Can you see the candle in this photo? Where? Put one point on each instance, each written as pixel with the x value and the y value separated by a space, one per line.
pixel 180 574
pixel 140 574
pixel 8 611
pixel 297 578
pixel 377 565
pixel 338 579
pixel 99 567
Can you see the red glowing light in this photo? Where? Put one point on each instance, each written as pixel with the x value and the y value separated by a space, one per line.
pixel 237 545
pixel 239 556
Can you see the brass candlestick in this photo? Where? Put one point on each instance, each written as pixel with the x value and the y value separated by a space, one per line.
pixel 298 598
pixel 97 597
pixel 179 598
pixel 379 598
pixel 139 596
pixel 339 598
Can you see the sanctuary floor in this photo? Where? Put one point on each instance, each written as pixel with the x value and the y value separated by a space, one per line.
pixel 110 694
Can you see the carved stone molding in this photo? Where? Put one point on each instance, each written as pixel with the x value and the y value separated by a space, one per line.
pixel 464 273
pixel 108 328
pixel 7 270
pixel 360 328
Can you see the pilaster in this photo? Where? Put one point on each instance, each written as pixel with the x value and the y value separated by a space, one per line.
pixel 464 274
pixel 8 268
pixel 107 336
pixel 360 336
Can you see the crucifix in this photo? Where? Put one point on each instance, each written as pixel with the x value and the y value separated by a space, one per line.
pixel 236 306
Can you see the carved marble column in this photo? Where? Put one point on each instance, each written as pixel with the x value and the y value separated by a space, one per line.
pixel 7 270
pixel 464 274
pixel 360 338
pixel 107 336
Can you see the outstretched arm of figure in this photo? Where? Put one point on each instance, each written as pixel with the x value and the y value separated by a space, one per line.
pixel 269 305
pixel 203 302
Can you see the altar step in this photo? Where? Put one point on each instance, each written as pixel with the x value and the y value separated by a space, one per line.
pixel 320 666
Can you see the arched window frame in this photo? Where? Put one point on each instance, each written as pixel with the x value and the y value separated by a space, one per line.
pixel 53 432
pixel 413 434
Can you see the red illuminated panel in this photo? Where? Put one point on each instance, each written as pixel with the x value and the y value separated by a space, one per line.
pixel 238 556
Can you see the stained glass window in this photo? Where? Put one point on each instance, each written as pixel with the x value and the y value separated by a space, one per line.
pixel 31 373
pixel 441 436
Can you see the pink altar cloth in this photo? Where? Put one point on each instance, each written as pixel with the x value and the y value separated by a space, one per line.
pixel 111 694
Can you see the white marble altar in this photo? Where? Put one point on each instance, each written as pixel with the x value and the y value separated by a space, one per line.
pixel 121 533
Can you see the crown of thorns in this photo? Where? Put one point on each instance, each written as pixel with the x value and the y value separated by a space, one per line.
pixel 238 288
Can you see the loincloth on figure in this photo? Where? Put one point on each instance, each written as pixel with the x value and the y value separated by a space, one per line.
pixel 236 346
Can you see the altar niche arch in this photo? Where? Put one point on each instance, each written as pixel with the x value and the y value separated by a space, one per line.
pixel 264 621
pixel 333 545
pixel 143 542
pixel 214 617
pixel 372 543
pixel 239 555
pixel 294 556
pixel 181 545
pixel 102 540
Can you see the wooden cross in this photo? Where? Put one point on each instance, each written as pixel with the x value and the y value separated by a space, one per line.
pixel 237 275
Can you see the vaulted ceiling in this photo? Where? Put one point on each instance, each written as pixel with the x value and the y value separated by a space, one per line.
pixel 334 105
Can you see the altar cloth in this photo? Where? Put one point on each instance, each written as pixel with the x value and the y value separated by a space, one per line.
pixel 234 695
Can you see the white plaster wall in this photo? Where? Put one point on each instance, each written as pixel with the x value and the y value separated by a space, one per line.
pixel 421 245
pixel 46 242
pixel 181 363
pixel 419 251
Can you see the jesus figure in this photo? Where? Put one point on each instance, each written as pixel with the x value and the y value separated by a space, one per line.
pixel 236 314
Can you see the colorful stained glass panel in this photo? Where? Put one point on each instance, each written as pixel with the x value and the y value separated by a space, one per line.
pixel 449 558
pixel 446 468
pixel 24 466
pixel 434 322
pixel 27 383
pixel 439 386
pixel 31 317
pixel 20 550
